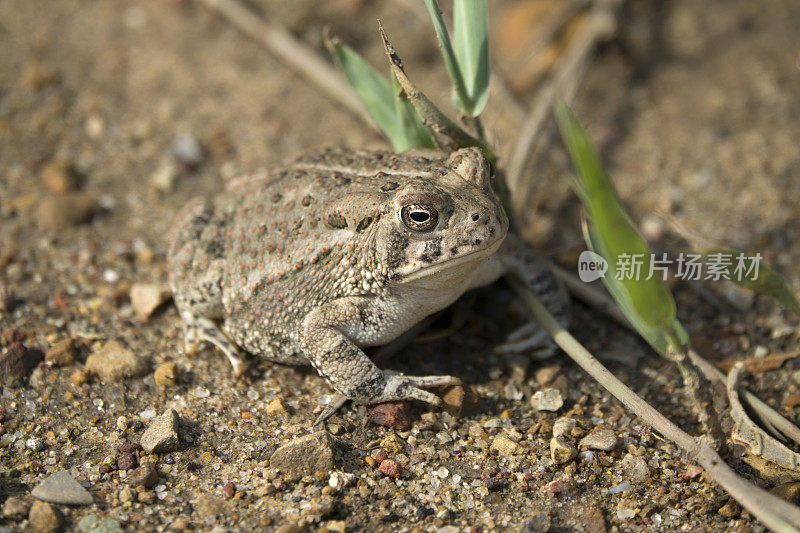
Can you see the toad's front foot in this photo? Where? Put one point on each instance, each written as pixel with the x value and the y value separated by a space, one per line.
pixel 397 387
pixel 401 387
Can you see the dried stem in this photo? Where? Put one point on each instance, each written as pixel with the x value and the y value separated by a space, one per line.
pixel 774 512
pixel 599 301
pixel 302 58
pixel 561 86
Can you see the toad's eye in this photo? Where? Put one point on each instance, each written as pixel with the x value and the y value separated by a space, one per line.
pixel 418 217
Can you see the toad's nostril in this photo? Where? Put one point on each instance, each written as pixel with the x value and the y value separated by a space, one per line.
pixel 475 217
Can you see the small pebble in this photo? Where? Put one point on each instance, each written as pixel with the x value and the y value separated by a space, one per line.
pixel 731 509
pixel 547 374
pixel 276 407
pixel 110 276
pixel 339 480
pixel 600 438
pixel 17 362
pixel 44 518
pixel 127 495
pixel 15 508
pixel 166 374
pixel 305 455
pixel 35 445
pixel 692 471
pixel 381 456
pixel 336 526
pixel 147 497
pixel 94 126
pixel 201 392
pixel 625 514
pixel 635 468
pixel 547 400
pixel 505 446
pixel 163 179
pixel 143 254
pixel 620 487
pixel 459 401
pixel 79 377
pixel 395 415
pixel 561 451
pixel 61 353
pixel 54 213
pixel 59 176
pixel 61 488
pixel 563 426
pixel 391 468
pixel 187 150
pixel 127 461
pixel 114 362
pixel 162 434
pixel 147 297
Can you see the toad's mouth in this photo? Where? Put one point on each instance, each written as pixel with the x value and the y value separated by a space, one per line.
pixel 472 257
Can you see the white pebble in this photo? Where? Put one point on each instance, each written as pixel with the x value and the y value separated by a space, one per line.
pixel 201 392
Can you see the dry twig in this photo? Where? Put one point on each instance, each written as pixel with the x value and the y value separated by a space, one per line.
pixel 294 53
pixel 776 513
pixel 601 302
pixel 561 86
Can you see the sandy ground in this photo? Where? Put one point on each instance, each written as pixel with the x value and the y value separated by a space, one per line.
pixel 694 106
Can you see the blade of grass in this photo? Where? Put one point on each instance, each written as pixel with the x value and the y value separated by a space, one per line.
pixel 373 89
pixel 641 295
pixel 765 279
pixel 655 336
pixel 460 96
pixel 471 47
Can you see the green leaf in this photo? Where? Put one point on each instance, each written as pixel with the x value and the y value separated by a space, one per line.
pixel 752 273
pixel 658 338
pixel 417 135
pixel 647 303
pixel 471 47
pixel 375 92
pixel 460 95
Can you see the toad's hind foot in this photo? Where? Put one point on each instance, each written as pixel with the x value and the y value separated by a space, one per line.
pixel 531 339
pixel 203 329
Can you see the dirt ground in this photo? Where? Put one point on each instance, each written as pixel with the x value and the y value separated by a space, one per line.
pixel 113 115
